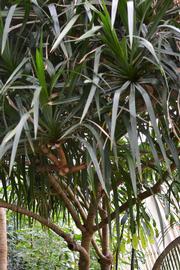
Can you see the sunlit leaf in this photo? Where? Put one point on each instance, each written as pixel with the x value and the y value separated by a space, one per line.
pixel 114 11
pixel 130 9
pixel 135 241
pixel 94 82
pixel 142 237
pixel 57 29
pixel 7 27
pixel 66 29
pixel 154 123
pixel 94 160
pixel 115 107
pixel 35 106
pixel 18 131
pixel 89 33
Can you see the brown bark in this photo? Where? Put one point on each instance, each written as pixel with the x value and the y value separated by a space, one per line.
pixel 87 236
pixel 74 199
pixel 3 240
pixel 60 192
pixel 106 266
pixel 106 263
pixel 84 261
pixel 105 231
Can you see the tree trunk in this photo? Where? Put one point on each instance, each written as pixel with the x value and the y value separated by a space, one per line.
pixel 84 261
pixel 106 266
pixel 3 240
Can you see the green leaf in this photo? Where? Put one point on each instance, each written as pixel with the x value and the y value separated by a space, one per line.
pixel 148 45
pixel 94 83
pixel 89 33
pixel 66 29
pixel 4 147
pixel 23 111
pixel 135 241
pixel 142 237
pixel 87 7
pixel 69 131
pixel 153 121
pixel 55 78
pixel 35 2
pixel 134 134
pixel 7 27
pixel 8 137
pixel 54 16
pixel 132 170
pixel 18 131
pixel 162 7
pixel 159 213
pixel 130 10
pixel 94 160
pixel 13 76
pixel 123 12
pixel 57 29
pixel 153 149
pixel 115 108
pixel 151 235
pixel 41 76
pixel 122 247
pixel 35 107
pixel 173 151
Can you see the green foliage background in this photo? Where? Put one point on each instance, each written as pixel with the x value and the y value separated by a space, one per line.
pixel 37 249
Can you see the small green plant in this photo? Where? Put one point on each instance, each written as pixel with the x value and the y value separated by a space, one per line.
pixel 37 249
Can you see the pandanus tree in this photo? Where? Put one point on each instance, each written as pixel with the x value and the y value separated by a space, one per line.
pixel 90 118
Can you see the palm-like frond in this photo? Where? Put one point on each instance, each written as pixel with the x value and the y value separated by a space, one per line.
pixel 104 88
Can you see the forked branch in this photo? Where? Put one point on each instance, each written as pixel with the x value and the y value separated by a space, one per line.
pixel 72 245
pixel 60 192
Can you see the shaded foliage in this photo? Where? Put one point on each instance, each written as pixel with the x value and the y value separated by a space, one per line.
pixel 90 95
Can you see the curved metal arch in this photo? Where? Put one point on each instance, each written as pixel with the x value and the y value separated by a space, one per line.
pixel 170 257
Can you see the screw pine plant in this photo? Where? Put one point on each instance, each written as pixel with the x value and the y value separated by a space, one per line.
pixel 89 118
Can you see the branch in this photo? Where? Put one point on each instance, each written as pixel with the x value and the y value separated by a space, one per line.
pixel 60 163
pixel 142 196
pixel 51 156
pixel 105 230
pixel 84 216
pixel 61 166
pixel 56 186
pixel 77 168
pixel 62 155
pixel 75 199
pixel 92 211
pixel 72 245
pixel 99 253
